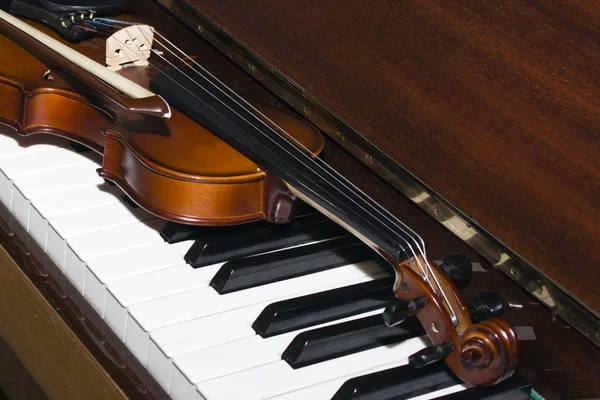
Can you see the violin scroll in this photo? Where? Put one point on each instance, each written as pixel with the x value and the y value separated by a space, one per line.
pixel 490 348
pixel 483 353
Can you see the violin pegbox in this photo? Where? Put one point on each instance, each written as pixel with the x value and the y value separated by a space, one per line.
pixel 482 353
pixel 129 46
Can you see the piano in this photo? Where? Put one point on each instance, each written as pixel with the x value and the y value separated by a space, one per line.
pixel 256 311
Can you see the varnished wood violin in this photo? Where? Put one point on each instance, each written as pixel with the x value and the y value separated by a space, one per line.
pixel 188 149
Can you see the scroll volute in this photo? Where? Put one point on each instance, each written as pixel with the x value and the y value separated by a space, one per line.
pixel 481 354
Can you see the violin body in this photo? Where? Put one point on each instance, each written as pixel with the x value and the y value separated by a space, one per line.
pixel 174 168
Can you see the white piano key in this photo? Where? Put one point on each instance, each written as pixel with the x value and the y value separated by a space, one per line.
pixel 29 186
pixel 166 282
pixel 13 146
pixel 66 201
pixel 173 340
pixel 182 248
pixel 64 178
pixel 147 287
pixel 167 343
pixel 104 270
pixel 33 163
pixel 253 352
pixel 85 247
pixel 198 334
pixel 57 157
pixel 278 378
pixel 66 227
pixel 442 392
pixel 145 317
pixel 226 358
pixel 210 331
pixel 327 390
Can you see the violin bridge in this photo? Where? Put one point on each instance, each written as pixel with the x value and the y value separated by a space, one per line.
pixel 129 46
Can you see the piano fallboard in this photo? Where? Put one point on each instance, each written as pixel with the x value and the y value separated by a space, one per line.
pixel 492 107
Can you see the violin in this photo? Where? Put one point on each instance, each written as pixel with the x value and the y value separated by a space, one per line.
pixel 188 149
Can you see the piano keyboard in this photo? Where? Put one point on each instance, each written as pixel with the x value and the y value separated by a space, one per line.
pixel 214 331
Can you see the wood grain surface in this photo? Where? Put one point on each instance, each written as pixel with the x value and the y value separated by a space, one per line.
pixel 494 105
pixel 46 346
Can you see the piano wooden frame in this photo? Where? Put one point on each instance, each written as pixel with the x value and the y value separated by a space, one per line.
pixel 532 279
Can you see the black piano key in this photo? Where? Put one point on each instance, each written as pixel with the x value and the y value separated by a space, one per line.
pixel 78 148
pixel 132 204
pixel 301 312
pixel 174 232
pixel 259 270
pixel 405 383
pixel 322 344
pixel 397 383
pixel 212 249
pixel 301 209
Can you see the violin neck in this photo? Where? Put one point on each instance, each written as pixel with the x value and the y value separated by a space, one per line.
pixel 308 177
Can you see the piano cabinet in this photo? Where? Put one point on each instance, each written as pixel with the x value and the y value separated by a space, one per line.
pixel 484 114
pixel 73 354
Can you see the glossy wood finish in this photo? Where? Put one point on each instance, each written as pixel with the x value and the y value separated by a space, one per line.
pixel 560 363
pixel 494 106
pixel 172 167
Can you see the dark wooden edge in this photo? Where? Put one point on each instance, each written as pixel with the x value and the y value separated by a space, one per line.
pixel 550 293
pixel 100 363
pixel 46 346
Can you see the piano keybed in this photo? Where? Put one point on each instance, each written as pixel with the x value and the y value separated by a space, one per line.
pixel 210 331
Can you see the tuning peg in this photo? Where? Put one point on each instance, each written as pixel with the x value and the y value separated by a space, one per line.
pixel 429 355
pixel 400 309
pixel 486 305
pixel 459 269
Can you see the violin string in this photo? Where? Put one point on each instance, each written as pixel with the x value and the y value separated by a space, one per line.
pixel 421 249
pixel 348 184
pixel 282 130
pixel 189 78
pixel 452 313
pixel 192 80
pixel 297 142
pixel 341 181
pixel 325 167
pixel 250 122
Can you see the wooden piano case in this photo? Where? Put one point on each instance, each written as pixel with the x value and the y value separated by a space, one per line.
pixel 70 363
pixel 486 115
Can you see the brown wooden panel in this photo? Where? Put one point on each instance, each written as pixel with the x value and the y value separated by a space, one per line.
pixel 15 381
pixel 46 346
pixel 496 106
